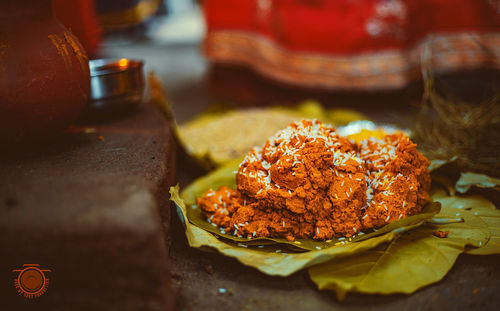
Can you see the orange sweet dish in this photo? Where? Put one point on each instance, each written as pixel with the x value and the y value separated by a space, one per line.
pixel 308 182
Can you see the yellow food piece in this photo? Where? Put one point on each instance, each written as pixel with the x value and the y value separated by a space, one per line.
pixel 233 134
pixel 366 134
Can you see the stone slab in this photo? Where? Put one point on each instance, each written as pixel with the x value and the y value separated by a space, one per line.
pixel 86 206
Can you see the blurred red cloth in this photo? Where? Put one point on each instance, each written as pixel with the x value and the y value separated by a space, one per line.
pixel 81 18
pixel 365 44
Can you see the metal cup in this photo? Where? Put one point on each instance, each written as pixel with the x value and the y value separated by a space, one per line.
pixel 115 84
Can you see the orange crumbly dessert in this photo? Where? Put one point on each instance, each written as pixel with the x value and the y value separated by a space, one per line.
pixel 309 182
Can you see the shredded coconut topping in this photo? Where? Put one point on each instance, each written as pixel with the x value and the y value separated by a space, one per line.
pixel 322 184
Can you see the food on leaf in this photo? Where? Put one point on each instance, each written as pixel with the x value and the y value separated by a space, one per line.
pixel 309 182
pixel 400 257
pixel 276 256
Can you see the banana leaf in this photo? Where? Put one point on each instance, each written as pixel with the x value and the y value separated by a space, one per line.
pixel 475 210
pixel 469 179
pixel 437 163
pixel 450 176
pixel 416 258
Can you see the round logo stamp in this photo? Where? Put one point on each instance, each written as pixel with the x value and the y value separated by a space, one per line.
pixel 31 281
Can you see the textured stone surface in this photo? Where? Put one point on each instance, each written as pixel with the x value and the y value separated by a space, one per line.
pixel 86 206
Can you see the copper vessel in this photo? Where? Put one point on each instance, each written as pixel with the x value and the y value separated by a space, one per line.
pixel 44 72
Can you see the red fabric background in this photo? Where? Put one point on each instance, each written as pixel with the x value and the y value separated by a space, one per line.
pixel 339 27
